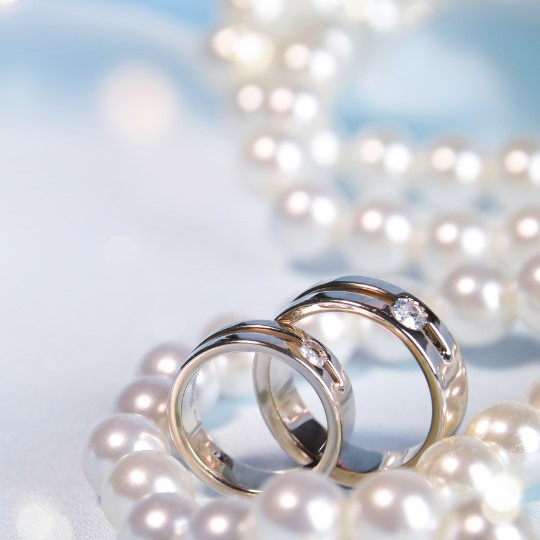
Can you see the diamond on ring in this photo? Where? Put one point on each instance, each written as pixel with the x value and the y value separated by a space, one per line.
pixel 409 313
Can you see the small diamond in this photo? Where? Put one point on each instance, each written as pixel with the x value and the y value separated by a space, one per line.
pixel 409 313
pixel 313 354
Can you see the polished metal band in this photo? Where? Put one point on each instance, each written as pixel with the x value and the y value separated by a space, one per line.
pixel 268 340
pixel 429 341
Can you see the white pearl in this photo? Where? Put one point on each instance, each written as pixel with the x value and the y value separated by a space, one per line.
pixel 222 519
pixel 502 498
pixel 293 103
pixel 454 173
pixel 299 505
pixel 164 360
pixel 394 504
pixel 513 430
pixel 458 466
pixel 469 522
pixel 382 238
pixel 309 219
pixel 518 173
pixel 147 396
pixel 478 304
pixel 521 236
pixel 158 517
pixel 379 160
pixel 113 439
pixel 533 396
pixel 452 240
pixel 138 475
pixel 529 292
pixel 340 332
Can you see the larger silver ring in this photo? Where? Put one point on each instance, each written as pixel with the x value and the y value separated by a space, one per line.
pixel 419 329
pixel 268 339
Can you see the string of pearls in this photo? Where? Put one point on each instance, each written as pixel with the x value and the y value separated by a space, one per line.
pixel 464 487
pixel 465 220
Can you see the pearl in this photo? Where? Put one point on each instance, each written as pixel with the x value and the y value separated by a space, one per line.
pixel 222 519
pixel 533 396
pixel 394 504
pixel 469 522
pixel 157 517
pixel 513 430
pixel 113 439
pixel 340 332
pixel 518 172
pixel 147 396
pixel 478 303
pixel 382 237
pixel 318 56
pixel 454 173
pixel 452 240
pixel 529 292
pixel 293 103
pixel 309 219
pixel 378 160
pixel 521 236
pixel 460 465
pixel 138 475
pixel 164 360
pixel 298 505
pixel 502 498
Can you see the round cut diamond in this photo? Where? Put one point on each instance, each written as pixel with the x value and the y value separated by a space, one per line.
pixel 313 354
pixel 409 313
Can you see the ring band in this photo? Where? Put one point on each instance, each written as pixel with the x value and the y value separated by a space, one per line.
pixel 419 329
pixel 268 340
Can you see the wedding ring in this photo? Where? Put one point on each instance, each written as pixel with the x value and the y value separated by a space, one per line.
pixel 419 329
pixel 268 340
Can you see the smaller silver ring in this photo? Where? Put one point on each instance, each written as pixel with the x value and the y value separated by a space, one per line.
pixel 268 340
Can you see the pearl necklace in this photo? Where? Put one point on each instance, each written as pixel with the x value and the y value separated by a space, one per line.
pixel 382 202
pixel 463 486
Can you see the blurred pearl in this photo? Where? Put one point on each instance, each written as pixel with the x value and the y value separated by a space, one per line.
pixel 114 438
pixel 522 236
pixel 469 522
pixel 309 219
pixel 251 51
pixel 249 98
pixel 298 505
pixel 394 504
pixel 534 395
pixel 293 103
pixel 337 331
pixel 453 239
pixel 454 173
pixel 519 173
pixel 235 372
pixel 208 387
pixel 529 292
pixel 513 429
pixel 164 360
pixel 382 238
pixel 378 160
pixel 318 56
pixel 147 396
pixel 158 517
pixel 222 519
pixel 274 159
pixel 460 465
pixel 138 475
pixel 478 303
pixel 325 148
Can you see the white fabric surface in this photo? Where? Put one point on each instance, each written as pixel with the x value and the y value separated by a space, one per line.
pixel 107 249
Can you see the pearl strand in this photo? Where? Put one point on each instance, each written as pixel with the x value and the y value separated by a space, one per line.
pixel 463 487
